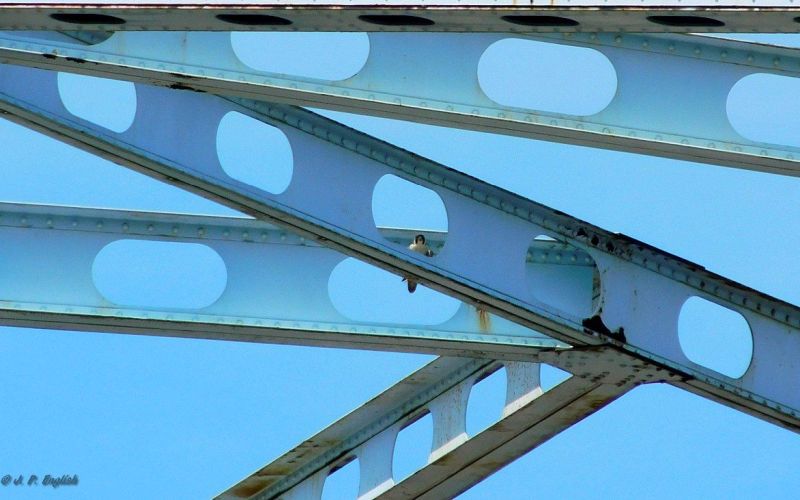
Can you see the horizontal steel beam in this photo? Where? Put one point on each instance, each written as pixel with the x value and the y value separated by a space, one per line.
pixel 173 138
pixel 275 291
pixel 682 81
pixel 439 15
pixel 456 460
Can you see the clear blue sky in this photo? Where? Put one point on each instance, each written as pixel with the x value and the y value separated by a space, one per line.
pixel 142 417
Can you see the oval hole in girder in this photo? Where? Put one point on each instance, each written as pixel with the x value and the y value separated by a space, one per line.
pixel 362 292
pixel 487 398
pixel 86 18
pixel 395 20
pixel 398 203
pixel 108 103
pixel 253 20
pixel 773 116
pixel 540 21
pixel 562 276
pixel 547 77
pixel 143 273
pixel 324 56
pixel 342 481
pixel 254 152
pixel 412 447
pixel 715 337
pixel 686 21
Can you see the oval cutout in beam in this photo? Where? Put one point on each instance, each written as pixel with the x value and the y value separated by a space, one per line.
pixel 547 77
pixel 686 21
pixel 324 56
pixel 774 116
pixel 143 273
pixel 487 398
pixel 395 20
pixel 86 18
pixel 540 21
pixel 108 103
pixel 342 481
pixel 254 152
pixel 254 19
pixel 397 202
pixel 715 337
pixel 412 447
pixel 366 293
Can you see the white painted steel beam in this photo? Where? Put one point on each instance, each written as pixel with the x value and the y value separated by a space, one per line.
pixel 393 15
pixel 173 138
pixel 682 81
pixel 456 460
pixel 276 285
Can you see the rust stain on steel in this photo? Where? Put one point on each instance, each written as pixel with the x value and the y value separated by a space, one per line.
pixel 484 320
pixel 250 487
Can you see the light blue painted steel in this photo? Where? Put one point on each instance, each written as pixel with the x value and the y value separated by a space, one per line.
pixel 173 138
pixel 347 436
pixel 682 81
pixel 438 15
pixel 59 245
pixel 457 460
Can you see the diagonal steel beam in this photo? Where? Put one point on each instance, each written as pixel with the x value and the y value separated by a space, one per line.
pixel 394 15
pixel 60 245
pixel 457 460
pixel 173 138
pixel 492 449
pixel 682 81
pixel 339 441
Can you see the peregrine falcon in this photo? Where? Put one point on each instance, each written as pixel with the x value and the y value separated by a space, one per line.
pixel 419 246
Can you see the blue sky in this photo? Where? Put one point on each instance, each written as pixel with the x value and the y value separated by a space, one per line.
pixel 146 417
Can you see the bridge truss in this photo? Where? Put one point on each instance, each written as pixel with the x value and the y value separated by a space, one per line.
pixel 617 330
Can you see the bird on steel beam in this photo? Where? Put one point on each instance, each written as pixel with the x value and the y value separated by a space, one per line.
pixel 419 246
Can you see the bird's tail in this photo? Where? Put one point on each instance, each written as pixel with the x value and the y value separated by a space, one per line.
pixel 412 286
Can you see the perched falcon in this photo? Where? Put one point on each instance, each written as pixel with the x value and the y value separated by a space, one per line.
pixel 419 246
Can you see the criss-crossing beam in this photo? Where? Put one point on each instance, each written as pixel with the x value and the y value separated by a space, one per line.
pixel 642 289
pixel 401 15
pixel 61 246
pixel 682 81
pixel 456 460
